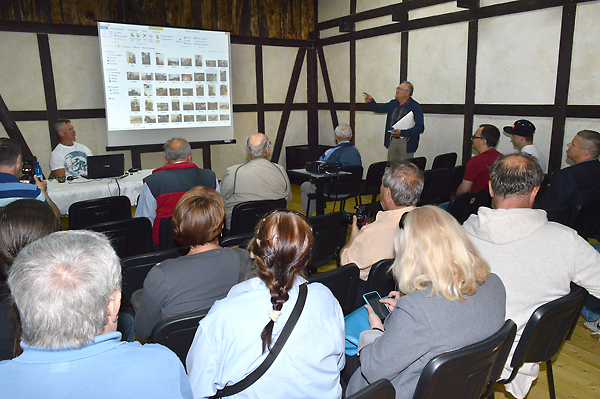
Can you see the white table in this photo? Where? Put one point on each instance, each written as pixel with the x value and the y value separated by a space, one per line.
pixel 81 189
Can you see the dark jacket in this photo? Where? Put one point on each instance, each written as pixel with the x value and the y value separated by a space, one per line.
pixel 413 133
pixel 573 185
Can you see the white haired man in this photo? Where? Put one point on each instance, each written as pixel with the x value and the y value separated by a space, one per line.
pixel 67 287
pixel 344 153
pixel 256 179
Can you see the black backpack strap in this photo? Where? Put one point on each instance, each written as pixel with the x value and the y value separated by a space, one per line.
pixel 273 353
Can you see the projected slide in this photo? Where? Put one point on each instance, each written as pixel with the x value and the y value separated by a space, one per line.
pixel 165 78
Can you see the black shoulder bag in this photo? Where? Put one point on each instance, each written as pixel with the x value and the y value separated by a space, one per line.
pixel 283 336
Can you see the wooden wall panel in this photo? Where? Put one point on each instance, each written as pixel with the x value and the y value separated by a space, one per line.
pixel 274 19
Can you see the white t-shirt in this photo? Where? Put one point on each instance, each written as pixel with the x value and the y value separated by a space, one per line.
pixel 72 158
pixel 533 151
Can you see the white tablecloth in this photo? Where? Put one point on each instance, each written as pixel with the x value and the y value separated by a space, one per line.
pixel 81 189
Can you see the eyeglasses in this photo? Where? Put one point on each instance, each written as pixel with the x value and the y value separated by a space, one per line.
pixel 473 137
pixel 401 89
pixel 402 219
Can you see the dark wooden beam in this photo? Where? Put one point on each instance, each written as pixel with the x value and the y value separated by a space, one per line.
pixel 327 84
pixel 49 89
pixel 470 90
pixel 563 75
pixel 10 125
pixel 312 96
pixel 285 115
pixel 260 89
pixel 352 94
pixel 206 158
pixel 583 111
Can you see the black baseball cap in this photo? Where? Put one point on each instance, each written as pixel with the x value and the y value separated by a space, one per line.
pixel 522 127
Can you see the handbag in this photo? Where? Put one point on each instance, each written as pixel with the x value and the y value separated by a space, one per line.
pixel 264 366
pixel 355 323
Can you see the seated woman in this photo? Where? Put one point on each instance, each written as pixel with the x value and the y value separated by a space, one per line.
pixel 239 331
pixel 450 301
pixel 195 281
pixel 21 222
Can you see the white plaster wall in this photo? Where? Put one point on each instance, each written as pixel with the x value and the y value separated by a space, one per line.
pixel 378 67
pixel 443 133
pixel 331 9
pixel 296 130
pixel 584 86
pixel 21 83
pixel 485 3
pixel 437 63
pixel 77 69
pixel 243 74
pixel 278 64
pixel 437 9
pixel 337 59
pixel 369 138
pixel 36 135
pixel 572 126
pixel 541 139
pixel 223 156
pixel 517 58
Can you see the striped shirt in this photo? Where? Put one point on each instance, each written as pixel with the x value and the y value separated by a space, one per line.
pixel 11 189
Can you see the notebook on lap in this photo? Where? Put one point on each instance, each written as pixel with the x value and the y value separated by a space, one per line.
pixel 100 166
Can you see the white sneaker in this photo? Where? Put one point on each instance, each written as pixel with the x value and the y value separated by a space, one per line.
pixel 594 326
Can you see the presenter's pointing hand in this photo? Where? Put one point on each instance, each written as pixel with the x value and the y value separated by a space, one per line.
pixel 368 97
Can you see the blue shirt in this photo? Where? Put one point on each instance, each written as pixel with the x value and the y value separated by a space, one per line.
pixel 11 189
pixel 104 368
pixel 344 153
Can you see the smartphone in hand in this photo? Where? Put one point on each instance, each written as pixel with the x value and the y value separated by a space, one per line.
pixel 372 299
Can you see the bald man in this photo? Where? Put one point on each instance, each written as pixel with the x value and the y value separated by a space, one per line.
pixel 256 179
pixel 165 186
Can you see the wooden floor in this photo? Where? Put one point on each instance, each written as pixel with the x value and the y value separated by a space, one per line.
pixel 576 368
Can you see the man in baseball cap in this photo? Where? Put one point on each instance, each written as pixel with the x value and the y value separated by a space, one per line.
pixel 522 138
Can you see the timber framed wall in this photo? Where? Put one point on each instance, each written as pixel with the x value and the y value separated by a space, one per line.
pixel 495 63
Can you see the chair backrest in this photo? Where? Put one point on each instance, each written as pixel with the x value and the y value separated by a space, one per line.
pixel 166 234
pixel 380 278
pixel 128 237
pixel 329 231
pixel 560 215
pixel 177 333
pixel 374 176
pixel 445 161
pixel 343 283
pixel 246 215
pixel 241 240
pixel 547 328
pixel 136 268
pixel 463 205
pixel 543 187
pixel 586 219
pixel 456 177
pixel 467 373
pixel 381 389
pixel 420 162
pixel 345 186
pixel 100 210
pixel 436 181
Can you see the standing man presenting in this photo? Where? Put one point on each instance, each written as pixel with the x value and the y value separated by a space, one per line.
pixel 401 144
pixel 68 158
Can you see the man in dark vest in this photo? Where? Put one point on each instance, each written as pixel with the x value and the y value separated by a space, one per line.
pixel 165 186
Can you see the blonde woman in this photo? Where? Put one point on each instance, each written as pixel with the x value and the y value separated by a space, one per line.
pixel 448 299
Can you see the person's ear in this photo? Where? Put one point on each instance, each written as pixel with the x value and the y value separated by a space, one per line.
pixel 490 189
pixel 533 194
pixel 165 157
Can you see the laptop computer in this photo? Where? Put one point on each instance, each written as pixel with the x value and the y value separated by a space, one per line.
pixel 101 166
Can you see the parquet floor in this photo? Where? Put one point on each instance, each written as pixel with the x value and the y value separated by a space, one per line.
pixel 576 367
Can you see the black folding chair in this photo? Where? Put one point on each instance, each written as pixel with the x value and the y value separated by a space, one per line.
pixel 381 389
pixel 329 231
pixel 463 205
pixel 343 282
pixel 128 237
pixel 456 177
pixel 544 333
pixel 341 188
pixel 420 162
pixel 166 235
pixel 467 373
pixel 101 210
pixel 444 161
pixel 372 183
pixel 177 333
pixel 246 215
pixel 380 278
pixel 586 219
pixel 434 188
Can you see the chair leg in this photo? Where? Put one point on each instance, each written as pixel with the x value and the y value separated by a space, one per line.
pixel 550 379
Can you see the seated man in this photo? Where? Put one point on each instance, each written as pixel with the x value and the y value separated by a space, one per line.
pixel 400 191
pixel 521 135
pixel 256 179
pixel 578 183
pixel 11 189
pixel 165 186
pixel 67 287
pixel 535 259
pixel 68 158
pixel 477 171
pixel 344 152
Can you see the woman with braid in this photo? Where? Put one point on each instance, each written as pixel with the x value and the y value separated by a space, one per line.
pixel 241 329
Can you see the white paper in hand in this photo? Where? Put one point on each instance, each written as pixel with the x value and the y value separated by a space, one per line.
pixel 405 123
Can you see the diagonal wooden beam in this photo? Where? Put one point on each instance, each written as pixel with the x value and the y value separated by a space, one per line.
pixel 49 88
pixel 287 108
pixel 327 84
pixel 260 88
pixel 13 130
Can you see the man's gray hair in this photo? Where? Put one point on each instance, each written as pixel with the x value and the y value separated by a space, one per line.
pixel 62 285
pixel 179 154
pixel 411 88
pixel 58 125
pixel 405 182
pixel 343 132
pixel 590 140
pixel 259 150
pixel 515 174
